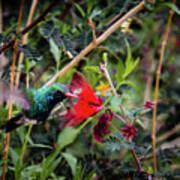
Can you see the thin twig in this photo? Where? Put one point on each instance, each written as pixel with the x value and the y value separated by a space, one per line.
pixel 137 160
pixel 24 41
pixel 12 75
pixel 65 11
pixel 126 118
pixel 113 20
pixel 119 117
pixel 114 127
pixel 163 45
pixel 106 73
pixel 92 45
pixel 176 129
pixel 10 43
pixel 93 28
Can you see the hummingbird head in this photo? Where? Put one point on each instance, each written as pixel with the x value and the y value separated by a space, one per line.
pixel 60 91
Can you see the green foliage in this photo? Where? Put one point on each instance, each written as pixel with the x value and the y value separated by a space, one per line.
pixel 66 137
pixel 56 40
pixel 170 5
pixel 4 114
pixel 53 152
pixel 72 161
pixel 30 53
pixel 123 70
pixel 115 104
pixel 3 38
pixel 116 141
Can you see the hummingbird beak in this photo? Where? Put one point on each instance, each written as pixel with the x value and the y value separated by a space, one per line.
pixel 71 95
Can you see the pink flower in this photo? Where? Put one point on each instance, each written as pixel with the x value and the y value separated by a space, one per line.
pixel 88 103
pixel 129 131
pixel 102 128
pixel 148 105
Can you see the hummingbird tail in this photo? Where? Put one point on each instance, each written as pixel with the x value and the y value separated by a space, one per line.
pixel 13 123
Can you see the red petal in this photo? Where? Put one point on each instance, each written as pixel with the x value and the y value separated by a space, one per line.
pixel 88 103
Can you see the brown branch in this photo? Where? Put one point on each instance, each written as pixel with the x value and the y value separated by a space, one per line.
pixel 12 75
pixel 116 18
pixel 137 160
pixel 65 11
pixel 24 41
pixel 176 129
pixel 163 45
pixel 93 45
pixel 34 23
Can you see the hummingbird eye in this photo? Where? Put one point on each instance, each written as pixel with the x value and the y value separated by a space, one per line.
pixel 57 92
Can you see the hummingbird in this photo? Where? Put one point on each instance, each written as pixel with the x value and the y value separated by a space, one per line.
pixel 36 104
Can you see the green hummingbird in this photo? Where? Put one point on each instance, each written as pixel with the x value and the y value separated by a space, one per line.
pixel 37 104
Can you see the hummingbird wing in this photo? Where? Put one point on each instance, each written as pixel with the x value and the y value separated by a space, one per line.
pixel 16 96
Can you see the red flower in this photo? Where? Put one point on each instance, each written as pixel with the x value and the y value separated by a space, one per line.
pixel 148 105
pixel 102 129
pixel 129 131
pixel 88 103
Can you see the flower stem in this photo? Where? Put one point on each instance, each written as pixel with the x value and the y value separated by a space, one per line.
pixel 137 160
pixel 20 160
pixel 163 45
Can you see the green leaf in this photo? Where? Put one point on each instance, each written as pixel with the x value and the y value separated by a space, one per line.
pixel 113 146
pixel 129 55
pixel 30 53
pixel 129 83
pixel 81 11
pixel 41 146
pixel 115 103
pixel 116 141
pixel 47 170
pixel 130 62
pixel 94 69
pixel 67 136
pixel 138 121
pixel 79 173
pixel 14 155
pixel 130 66
pixel 32 171
pixel 120 70
pixel 135 113
pixel 170 5
pixel 49 31
pixel 127 145
pixel 72 161
pixel 91 175
pixel 55 50
pixel 118 136
pixel 4 114
pixel 90 4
